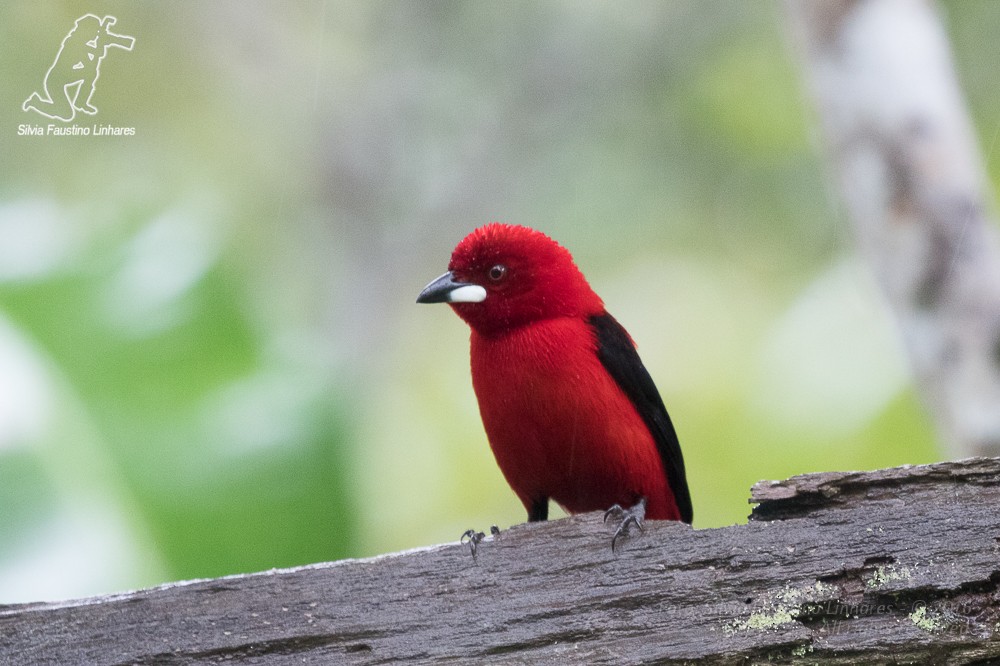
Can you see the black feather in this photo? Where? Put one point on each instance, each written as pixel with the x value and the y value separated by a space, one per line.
pixel 620 359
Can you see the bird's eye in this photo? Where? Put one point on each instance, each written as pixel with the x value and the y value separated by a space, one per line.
pixel 497 273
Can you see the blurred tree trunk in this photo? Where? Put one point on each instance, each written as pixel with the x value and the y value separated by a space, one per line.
pixel 904 153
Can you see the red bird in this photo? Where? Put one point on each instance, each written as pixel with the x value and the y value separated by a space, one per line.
pixel 570 412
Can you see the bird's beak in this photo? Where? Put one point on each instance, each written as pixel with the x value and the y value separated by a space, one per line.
pixel 446 289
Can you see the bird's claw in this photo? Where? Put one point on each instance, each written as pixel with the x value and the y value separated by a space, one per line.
pixel 626 518
pixel 474 538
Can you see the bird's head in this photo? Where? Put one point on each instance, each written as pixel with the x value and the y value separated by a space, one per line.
pixel 504 276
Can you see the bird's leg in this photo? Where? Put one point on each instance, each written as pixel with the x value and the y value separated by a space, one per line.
pixel 626 518
pixel 539 510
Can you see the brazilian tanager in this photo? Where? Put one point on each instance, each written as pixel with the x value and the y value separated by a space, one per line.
pixel 570 411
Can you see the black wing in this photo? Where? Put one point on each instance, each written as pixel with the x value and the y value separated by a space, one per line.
pixel 618 355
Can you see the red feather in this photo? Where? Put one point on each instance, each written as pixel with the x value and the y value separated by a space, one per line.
pixel 558 424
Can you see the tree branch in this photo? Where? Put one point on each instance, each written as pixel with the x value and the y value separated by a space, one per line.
pixel 892 566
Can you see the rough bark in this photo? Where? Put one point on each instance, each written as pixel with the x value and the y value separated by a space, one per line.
pixel 893 566
pixel 910 173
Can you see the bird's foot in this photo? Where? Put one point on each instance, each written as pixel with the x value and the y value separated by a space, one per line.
pixel 474 538
pixel 625 518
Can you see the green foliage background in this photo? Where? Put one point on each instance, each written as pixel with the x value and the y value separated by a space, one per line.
pixel 210 358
